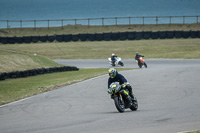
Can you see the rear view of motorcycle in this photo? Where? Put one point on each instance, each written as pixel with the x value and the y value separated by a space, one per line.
pixel 121 102
pixel 141 62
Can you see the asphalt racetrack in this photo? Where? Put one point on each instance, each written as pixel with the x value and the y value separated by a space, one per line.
pixel 168 93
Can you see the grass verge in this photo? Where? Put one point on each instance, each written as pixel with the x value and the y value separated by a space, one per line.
pixel 22 62
pixel 71 29
pixel 15 89
pixel 161 48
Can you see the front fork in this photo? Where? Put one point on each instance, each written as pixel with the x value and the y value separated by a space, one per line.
pixel 120 96
pixel 114 95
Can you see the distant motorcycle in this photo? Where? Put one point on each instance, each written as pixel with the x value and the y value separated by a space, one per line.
pixel 121 103
pixel 117 61
pixel 141 62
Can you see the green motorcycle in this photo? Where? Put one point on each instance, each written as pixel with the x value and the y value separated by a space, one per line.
pixel 121 103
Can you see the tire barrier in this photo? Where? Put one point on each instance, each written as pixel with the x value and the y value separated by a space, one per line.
pixel 162 34
pixel 33 72
pixel 3 76
pixel 67 38
pixel 107 36
pixel 122 36
pixel 3 40
pixel 139 35
pixel 102 36
pixel 51 38
pixel 35 39
pixel 59 38
pixel 147 35
pixel 28 39
pixel 83 37
pixel 75 38
pixel 11 40
pixel 186 34
pixel 131 35
pixel 170 34
pixel 194 34
pixel 155 35
pixel 198 34
pixel 43 38
pixel 114 36
pixel 19 40
pixel 99 37
pixel 91 37
pixel 177 34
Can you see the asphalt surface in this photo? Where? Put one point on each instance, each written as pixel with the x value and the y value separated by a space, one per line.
pixel 168 93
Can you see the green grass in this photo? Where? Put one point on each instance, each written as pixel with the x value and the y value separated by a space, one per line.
pixel 15 89
pixel 160 48
pixel 70 29
pixel 19 62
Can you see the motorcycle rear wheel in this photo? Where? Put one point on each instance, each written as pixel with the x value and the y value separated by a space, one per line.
pixel 119 104
pixel 121 63
pixel 140 65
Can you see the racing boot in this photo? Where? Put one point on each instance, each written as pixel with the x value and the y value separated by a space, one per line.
pixel 129 100
pixel 131 92
pixel 113 63
pixel 132 96
pixel 126 95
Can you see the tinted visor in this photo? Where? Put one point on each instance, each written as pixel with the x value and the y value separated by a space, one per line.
pixel 111 74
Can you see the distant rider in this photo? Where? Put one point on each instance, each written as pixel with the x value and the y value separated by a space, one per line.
pixel 114 76
pixel 137 56
pixel 113 58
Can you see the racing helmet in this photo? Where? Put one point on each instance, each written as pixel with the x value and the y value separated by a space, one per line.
pixel 137 53
pixel 113 54
pixel 112 72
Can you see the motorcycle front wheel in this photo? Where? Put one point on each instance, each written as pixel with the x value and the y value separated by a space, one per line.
pixel 145 65
pixel 119 104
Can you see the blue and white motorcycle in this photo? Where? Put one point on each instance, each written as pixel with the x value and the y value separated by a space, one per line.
pixel 117 61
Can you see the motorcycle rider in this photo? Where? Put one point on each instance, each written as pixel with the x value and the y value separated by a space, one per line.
pixel 137 56
pixel 113 56
pixel 114 76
